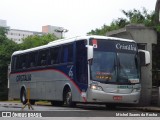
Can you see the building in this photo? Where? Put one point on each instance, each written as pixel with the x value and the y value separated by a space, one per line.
pixel 57 31
pixel 3 23
pixel 17 35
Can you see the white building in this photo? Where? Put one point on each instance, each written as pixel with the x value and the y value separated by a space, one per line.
pixel 3 23
pixel 18 35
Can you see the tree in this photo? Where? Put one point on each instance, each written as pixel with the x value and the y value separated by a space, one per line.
pixel 131 16
pixel 37 40
pixel 7 47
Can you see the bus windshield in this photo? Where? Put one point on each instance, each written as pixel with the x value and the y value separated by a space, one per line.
pixel 113 65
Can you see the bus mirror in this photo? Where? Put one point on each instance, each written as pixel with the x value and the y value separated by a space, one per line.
pixel 90 52
pixel 144 57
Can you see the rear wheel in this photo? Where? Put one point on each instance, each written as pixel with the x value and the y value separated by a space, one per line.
pixel 23 96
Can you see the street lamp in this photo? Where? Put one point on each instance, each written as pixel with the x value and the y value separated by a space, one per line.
pixel 61 31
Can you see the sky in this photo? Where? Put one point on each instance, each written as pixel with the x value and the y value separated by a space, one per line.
pixel 77 16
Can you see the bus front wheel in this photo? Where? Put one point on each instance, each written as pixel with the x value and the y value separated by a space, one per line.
pixel 23 96
pixel 68 98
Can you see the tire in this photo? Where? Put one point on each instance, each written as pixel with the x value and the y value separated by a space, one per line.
pixel 67 98
pixel 23 96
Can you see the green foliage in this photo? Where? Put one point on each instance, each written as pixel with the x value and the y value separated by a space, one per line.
pixel 7 47
pixel 2 34
pixel 36 40
pixel 132 16
pixel 116 24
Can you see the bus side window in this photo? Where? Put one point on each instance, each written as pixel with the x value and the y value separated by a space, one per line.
pixel 17 63
pixel 43 57
pixel 67 53
pixel 54 55
pixel 32 59
pixel 13 64
pixel 70 53
pixel 23 61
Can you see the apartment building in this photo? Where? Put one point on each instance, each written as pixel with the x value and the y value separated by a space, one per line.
pixel 18 35
pixel 3 23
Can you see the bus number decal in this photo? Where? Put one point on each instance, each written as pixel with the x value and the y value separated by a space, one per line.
pixel 70 73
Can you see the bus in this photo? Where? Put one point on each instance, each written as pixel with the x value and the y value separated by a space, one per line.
pixel 86 69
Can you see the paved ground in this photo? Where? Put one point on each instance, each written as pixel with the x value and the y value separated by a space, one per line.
pixel 81 112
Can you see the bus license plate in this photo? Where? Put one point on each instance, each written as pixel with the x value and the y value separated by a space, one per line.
pixel 117 98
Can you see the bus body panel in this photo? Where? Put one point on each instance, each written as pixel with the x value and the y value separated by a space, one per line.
pixel 44 85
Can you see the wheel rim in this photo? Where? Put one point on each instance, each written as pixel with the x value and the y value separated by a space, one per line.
pixel 23 97
pixel 68 98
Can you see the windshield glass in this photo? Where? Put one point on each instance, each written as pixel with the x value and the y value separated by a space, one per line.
pixel 103 67
pixel 114 62
pixel 128 68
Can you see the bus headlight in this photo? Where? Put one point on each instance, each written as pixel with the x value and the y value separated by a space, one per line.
pixel 136 90
pixel 96 87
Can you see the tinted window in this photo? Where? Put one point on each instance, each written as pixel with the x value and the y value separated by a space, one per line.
pixel 67 53
pixel 13 65
pixel 23 61
pixel 32 59
pixel 17 62
pixel 43 57
pixel 54 55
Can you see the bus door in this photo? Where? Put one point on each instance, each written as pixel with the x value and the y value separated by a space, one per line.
pixel 81 65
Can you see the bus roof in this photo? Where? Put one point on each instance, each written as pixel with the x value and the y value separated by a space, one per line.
pixel 68 40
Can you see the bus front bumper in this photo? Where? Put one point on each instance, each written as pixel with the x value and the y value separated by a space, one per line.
pixel 103 97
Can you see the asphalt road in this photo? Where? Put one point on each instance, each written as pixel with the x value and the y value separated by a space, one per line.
pixel 80 112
